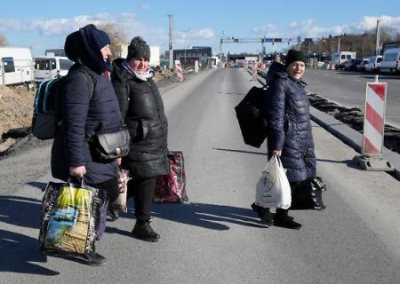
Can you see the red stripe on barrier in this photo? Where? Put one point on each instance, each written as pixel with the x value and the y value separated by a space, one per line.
pixel 375 119
pixel 379 89
pixel 369 148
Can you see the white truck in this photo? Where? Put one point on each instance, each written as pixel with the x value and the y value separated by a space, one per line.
pixel 48 67
pixel 390 61
pixel 16 66
pixel 340 58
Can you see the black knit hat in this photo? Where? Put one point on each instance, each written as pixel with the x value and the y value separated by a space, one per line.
pixel 294 55
pixel 138 48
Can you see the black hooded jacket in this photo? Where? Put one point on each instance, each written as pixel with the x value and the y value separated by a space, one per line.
pixel 143 110
pixel 83 113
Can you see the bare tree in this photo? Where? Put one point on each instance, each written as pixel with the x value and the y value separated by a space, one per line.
pixel 117 36
pixel 3 40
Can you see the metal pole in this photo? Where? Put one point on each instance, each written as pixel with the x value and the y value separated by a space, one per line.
pixel 220 45
pixel 378 35
pixel 171 48
pixel 338 44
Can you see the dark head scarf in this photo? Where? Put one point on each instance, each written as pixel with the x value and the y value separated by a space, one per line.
pixel 84 47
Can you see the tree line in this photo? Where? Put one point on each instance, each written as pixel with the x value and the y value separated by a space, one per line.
pixel 364 44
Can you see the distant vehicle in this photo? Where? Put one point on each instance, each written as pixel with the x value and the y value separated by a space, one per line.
pixel 16 66
pixel 55 52
pixel 361 66
pixel 351 65
pixel 390 60
pixel 339 58
pixel 46 67
pixel 373 63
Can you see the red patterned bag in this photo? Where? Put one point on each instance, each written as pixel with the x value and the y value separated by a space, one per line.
pixel 171 188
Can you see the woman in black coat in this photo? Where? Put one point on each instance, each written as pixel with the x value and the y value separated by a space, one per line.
pixel 83 113
pixel 289 129
pixel 143 110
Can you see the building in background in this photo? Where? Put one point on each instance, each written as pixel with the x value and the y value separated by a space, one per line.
pixel 187 57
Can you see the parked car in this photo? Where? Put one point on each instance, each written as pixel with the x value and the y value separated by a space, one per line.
pixel 373 63
pixel 362 65
pixel 351 65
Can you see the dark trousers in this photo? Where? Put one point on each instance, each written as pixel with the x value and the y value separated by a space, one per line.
pixel 110 192
pixel 142 190
pixel 110 188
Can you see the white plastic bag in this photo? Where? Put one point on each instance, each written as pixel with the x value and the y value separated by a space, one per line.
pixel 273 188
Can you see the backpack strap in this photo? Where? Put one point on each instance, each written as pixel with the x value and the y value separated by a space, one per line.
pixel 89 81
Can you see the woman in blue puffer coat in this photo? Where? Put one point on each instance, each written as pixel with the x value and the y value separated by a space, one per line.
pixel 84 113
pixel 289 130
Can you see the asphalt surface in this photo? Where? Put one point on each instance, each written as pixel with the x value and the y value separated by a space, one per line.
pixel 216 237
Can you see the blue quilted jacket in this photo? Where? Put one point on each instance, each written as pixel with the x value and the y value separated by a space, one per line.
pixel 82 116
pixel 289 125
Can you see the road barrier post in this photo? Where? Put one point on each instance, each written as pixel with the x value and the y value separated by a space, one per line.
pixel 179 71
pixel 374 128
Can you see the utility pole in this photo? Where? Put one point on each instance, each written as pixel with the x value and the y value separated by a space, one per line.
pixel 338 44
pixel 171 48
pixel 378 36
pixel 220 46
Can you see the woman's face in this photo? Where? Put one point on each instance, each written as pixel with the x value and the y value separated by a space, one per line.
pixel 296 70
pixel 139 64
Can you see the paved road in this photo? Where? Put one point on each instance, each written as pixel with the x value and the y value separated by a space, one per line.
pixel 348 89
pixel 216 238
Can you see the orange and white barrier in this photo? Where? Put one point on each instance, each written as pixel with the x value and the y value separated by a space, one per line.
pixel 179 72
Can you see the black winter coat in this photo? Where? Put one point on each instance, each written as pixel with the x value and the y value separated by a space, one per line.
pixel 82 116
pixel 143 110
pixel 289 125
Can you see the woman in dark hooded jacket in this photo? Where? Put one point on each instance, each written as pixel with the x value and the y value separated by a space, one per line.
pixel 289 130
pixel 84 113
pixel 143 110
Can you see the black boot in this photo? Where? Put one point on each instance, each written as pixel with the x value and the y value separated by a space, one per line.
pixel 113 213
pixel 144 232
pixel 282 219
pixel 263 213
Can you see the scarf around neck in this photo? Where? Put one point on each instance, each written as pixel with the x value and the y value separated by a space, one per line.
pixel 149 73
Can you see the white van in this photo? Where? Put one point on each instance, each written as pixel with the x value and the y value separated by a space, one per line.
pixel 46 67
pixel 340 58
pixel 16 66
pixel 373 63
pixel 390 60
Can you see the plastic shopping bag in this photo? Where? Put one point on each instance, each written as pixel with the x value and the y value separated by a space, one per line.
pixel 123 178
pixel 273 188
pixel 171 188
pixel 69 218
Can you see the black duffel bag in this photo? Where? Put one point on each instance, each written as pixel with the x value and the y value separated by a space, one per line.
pixel 308 194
